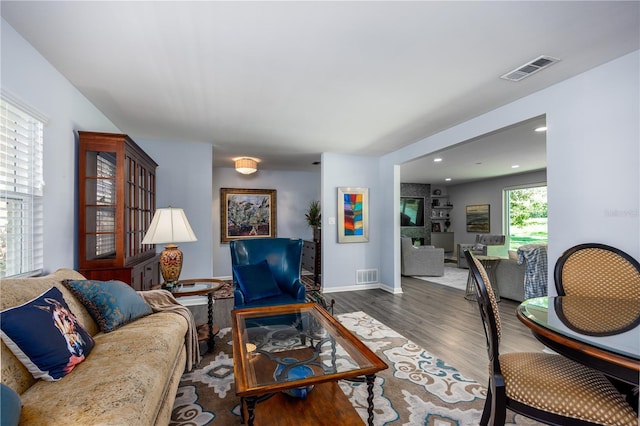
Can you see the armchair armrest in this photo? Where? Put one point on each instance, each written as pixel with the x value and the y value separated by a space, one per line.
pixel 299 291
pixel 238 297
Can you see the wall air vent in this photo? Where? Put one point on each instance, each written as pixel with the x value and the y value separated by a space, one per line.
pixel 530 68
pixel 366 276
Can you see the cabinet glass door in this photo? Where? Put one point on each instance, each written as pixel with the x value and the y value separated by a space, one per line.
pixel 100 207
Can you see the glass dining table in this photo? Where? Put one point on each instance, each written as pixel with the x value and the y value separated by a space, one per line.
pixel 602 333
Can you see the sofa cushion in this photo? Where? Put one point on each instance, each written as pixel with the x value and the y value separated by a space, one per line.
pixel 112 304
pixel 256 281
pixel 10 406
pixel 123 382
pixel 45 335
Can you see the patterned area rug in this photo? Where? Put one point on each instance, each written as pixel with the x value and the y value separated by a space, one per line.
pixel 416 389
pixel 226 291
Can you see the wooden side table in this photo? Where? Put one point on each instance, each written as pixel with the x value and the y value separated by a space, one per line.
pixel 490 264
pixel 200 287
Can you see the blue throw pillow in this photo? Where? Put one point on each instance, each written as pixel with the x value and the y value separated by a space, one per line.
pixel 112 304
pixel 10 406
pixel 45 336
pixel 256 281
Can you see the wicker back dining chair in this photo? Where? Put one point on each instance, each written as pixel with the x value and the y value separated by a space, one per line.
pixel 546 387
pixel 597 270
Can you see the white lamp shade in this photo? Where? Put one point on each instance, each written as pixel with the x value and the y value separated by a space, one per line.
pixel 169 225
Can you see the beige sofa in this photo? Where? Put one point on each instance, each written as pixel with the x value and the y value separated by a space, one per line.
pixel 510 278
pixel 129 378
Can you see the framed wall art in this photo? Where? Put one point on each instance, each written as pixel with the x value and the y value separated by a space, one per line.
pixel 353 215
pixel 478 218
pixel 247 213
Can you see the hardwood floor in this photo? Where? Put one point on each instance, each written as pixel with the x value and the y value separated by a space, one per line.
pixel 436 317
pixel 442 321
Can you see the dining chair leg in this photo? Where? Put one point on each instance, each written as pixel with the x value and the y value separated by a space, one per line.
pixel 486 411
pixel 500 407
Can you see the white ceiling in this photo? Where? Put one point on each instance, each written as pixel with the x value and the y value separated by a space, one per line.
pixel 491 155
pixel 286 81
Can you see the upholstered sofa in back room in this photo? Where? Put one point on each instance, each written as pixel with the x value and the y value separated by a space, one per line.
pixel 129 377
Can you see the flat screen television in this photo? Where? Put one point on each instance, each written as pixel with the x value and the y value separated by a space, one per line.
pixel 411 211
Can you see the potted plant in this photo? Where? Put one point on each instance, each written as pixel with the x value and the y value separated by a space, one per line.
pixel 314 216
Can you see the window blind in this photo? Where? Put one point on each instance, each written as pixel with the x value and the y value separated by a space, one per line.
pixel 21 191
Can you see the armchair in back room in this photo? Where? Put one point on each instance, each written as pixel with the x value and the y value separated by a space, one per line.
pixel 479 248
pixel 266 271
pixel 422 260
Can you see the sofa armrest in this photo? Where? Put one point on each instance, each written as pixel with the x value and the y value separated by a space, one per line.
pixel 510 279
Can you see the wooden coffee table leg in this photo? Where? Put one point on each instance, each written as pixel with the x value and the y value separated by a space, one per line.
pixel 210 343
pixel 370 379
pixel 251 407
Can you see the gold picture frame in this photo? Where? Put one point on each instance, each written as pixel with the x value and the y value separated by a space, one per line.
pixel 247 213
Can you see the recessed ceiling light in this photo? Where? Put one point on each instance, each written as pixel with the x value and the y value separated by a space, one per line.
pixel 515 166
pixel 448 179
pixel 437 160
pixel 541 129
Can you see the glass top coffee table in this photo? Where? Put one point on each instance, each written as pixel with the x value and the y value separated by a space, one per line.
pixel 301 350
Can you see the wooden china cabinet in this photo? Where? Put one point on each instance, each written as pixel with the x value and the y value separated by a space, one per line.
pixel 117 200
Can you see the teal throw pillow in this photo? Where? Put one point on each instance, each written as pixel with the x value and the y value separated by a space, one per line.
pixel 45 336
pixel 10 406
pixel 112 304
pixel 256 281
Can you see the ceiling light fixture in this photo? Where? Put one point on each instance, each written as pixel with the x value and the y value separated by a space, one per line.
pixel 246 166
pixel 448 179
pixel 515 166
pixel 437 160
pixel 541 129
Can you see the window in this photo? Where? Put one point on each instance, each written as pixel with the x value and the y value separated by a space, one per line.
pixel 21 187
pixel 526 214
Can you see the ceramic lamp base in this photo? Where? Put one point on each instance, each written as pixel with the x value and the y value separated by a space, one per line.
pixel 170 264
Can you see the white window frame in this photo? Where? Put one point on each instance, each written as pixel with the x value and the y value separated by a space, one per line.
pixel 21 188
pixel 505 208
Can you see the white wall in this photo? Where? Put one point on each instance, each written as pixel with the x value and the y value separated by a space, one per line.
pixel 488 191
pixel 593 157
pixel 340 261
pixel 27 76
pixel 295 190
pixel 593 150
pixel 184 180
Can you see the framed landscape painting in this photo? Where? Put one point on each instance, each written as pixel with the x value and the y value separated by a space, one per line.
pixel 247 213
pixel 478 218
pixel 353 215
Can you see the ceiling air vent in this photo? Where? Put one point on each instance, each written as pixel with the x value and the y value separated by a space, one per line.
pixel 530 68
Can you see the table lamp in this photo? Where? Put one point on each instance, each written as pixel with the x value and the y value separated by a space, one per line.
pixel 169 225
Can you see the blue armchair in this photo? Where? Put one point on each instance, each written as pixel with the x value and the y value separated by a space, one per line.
pixel 266 271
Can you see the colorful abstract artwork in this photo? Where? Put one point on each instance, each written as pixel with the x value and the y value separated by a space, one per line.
pixel 353 215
